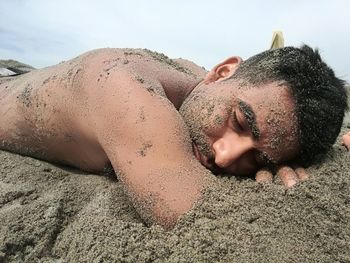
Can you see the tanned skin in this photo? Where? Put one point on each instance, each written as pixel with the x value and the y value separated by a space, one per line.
pixel 346 140
pixel 120 107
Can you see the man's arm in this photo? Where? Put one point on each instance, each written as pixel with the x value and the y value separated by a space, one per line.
pixel 149 147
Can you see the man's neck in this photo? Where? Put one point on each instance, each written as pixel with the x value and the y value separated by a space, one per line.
pixel 178 94
pixel 180 83
pixel 178 77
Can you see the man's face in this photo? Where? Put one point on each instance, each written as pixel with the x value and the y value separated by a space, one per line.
pixel 237 130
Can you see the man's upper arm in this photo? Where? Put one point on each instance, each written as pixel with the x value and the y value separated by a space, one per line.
pixel 150 149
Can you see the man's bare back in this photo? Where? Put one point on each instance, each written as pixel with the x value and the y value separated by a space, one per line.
pixel 47 114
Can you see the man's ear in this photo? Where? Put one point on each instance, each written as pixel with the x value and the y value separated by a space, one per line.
pixel 224 70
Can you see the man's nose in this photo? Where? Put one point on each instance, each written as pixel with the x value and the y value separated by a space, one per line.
pixel 228 150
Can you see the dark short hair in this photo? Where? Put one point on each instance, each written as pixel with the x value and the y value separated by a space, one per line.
pixel 320 97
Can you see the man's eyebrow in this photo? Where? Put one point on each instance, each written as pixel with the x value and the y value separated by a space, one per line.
pixel 249 115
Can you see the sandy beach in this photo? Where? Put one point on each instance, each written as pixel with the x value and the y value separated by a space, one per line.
pixel 55 214
pixel 118 114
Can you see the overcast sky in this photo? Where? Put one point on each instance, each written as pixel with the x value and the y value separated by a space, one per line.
pixel 45 32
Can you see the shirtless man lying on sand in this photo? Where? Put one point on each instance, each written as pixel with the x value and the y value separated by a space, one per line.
pixel 160 122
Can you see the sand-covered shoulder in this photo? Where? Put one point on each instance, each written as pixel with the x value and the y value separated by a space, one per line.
pixel 52 214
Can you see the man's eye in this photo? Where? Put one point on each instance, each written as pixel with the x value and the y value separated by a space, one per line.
pixel 236 123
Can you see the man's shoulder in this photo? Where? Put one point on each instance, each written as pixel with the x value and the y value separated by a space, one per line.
pixel 110 54
pixel 193 67
pixel 130 53
pixel 126 56
pixel 154 71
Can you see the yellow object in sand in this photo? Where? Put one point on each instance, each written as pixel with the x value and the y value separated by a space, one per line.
pixel 277 40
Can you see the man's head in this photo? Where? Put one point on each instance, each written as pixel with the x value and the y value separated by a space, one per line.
pixel 276 106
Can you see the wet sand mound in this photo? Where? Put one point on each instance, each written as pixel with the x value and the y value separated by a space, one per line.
pixel 51 214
